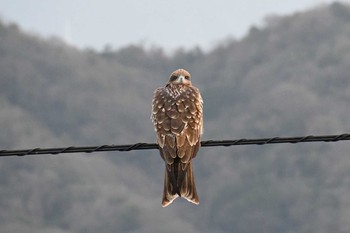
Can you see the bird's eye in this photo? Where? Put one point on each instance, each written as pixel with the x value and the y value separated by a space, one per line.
pixel 173 78
pixel 187 77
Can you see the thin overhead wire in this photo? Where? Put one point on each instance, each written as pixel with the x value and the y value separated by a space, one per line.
pixel 149 146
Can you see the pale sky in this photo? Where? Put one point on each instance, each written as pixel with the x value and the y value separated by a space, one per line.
pixel 166 23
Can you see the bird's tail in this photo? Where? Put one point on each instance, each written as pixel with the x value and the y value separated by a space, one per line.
pixel 179 182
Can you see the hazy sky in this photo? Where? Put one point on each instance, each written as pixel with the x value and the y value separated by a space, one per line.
pixel 166 23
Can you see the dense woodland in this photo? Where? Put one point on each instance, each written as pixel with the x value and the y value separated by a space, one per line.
pixel 290 77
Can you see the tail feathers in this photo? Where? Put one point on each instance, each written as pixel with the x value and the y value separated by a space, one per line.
pixel 170 191
pixel 188 187
pixel 179 184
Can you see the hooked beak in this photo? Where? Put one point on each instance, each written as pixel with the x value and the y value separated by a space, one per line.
pixel 180 79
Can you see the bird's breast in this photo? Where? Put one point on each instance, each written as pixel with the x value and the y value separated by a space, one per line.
pixel 175 91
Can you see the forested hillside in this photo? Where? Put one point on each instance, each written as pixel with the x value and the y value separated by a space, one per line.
pixel 290 77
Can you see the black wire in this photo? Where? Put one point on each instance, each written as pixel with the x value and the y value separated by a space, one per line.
pixel 148 146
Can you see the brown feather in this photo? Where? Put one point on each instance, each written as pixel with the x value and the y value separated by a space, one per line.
pixel 180 106
pixel 192 108
pixel 166 124
pixel 168 154
pixel 192 124
pixel 160 140
pixel 161 116
pixel 191 137
pixel 188 154
pixel 184 118
pixel 195 149
pixel 170 140
pixel 173 113
pixel 180 140
pixel 177 126
pixel 188 187
pixel 167 105
pixel 182 150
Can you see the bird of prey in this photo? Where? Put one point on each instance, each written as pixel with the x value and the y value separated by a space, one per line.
pixel 177 114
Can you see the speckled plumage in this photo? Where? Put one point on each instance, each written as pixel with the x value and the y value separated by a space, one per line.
pixel 177 114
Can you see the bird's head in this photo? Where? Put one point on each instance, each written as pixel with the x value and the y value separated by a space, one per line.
pixel 180 76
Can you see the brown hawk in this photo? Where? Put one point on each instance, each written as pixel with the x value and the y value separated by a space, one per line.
pixel 177 114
